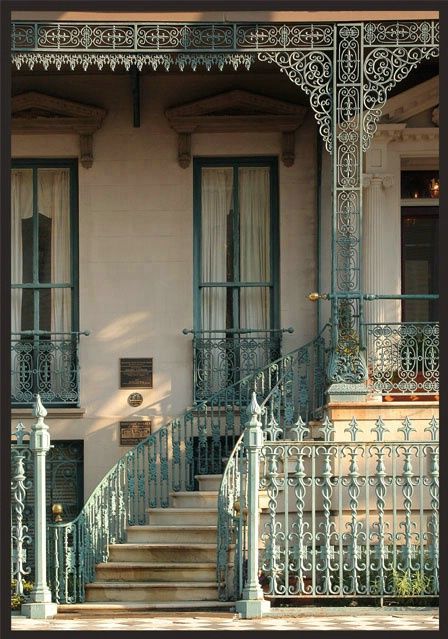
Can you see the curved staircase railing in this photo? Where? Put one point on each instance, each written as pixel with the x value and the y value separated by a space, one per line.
pixel 232 494
pixel 169 461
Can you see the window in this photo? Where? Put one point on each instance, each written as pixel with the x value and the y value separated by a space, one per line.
pixel 236 266
pixel 44 296
pixel 419 228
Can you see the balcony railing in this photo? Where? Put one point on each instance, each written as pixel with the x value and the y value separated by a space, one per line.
pixel 222 358
pixel 45 363
pixel 403 358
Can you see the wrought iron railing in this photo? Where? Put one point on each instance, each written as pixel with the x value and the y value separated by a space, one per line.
pixel 169 460
pixel 233 498
pixel 45 363
pixel 223 357
pixel 21 487
pixel 355 518
pixel 403 358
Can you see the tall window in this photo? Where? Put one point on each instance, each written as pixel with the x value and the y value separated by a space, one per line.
pixel 236 244
pixel 44 278
pixel 236 270
pixel 420 261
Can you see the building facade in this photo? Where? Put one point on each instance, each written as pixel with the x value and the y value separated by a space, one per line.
pixel 180 186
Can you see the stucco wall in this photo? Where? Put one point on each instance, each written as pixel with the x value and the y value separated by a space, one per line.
pixel 135 242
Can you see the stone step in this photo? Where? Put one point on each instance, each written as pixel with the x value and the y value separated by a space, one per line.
pixel 125 608
pixel 183 516
pixel 195 499
pixel 169 553
pixel 209 482
pixel 155 571
pixel 172 534
pixel 148 592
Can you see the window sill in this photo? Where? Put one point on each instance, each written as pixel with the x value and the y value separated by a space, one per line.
pixel 27 413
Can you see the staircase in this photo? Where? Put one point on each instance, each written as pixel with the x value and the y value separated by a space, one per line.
pixel 168 564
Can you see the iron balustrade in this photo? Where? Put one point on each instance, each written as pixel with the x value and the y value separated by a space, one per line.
pixel 352 518
pixel 223 357
pixel 47 363
pixel 398 358
pixel 169 460
pixel 21 486
pixel 349 517
pixel 403 358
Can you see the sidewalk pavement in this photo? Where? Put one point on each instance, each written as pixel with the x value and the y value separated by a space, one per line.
pixel 299 619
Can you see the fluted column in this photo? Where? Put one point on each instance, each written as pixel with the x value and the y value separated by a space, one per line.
pixel 377 224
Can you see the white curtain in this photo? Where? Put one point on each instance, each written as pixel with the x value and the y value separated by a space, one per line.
pixel 217 184
pixel 54 203
pixel 21 208
pixel 254 245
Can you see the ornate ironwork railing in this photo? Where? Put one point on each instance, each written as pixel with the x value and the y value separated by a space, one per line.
pixel 348 518
pixel 169 460
pixel 21 486
pixel 222 358
pixel 403 359
pixel 352 518
pixel 233 497
pixel 47 363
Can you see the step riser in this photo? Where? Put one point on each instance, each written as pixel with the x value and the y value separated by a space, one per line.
pixel 168 574
pixel 99 593
pixel 165 555
pixel 167 518
pixel 172 536
pixel 194 500
pixel 209 483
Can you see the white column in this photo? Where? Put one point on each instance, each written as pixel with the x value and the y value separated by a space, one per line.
pixel 377 226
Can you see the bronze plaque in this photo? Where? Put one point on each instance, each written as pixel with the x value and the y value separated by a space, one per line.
pixel 136 372
pixel 135 399
pixel 132 433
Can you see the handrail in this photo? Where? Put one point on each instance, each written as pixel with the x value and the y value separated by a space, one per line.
pixel 232 492
pixel 243 331
pixel 165 462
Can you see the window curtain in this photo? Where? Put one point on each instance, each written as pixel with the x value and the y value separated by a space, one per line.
pixel 217 184
pixel 54 203
pixel 254 245
pixel 21 208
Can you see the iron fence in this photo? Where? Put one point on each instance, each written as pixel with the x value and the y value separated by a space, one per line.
pixel 352 518
pixel 21 485
pixel 403 358
pixel 47 363
pixel 222 358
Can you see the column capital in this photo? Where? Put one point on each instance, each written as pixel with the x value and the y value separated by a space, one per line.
pixel 378 180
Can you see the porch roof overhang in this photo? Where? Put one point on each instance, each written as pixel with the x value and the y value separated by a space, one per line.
pixel 379 55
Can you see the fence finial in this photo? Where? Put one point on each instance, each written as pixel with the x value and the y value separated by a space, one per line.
pixel 253 408
pixel 353 429
pixel 379 429
pixel 39 409
pixel 406 429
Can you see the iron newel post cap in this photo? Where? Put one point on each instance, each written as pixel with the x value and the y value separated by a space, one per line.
pixel 40 437
pixel 253 436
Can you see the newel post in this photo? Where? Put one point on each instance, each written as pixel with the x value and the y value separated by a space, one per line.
pixel 253 604
pixel 40 606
